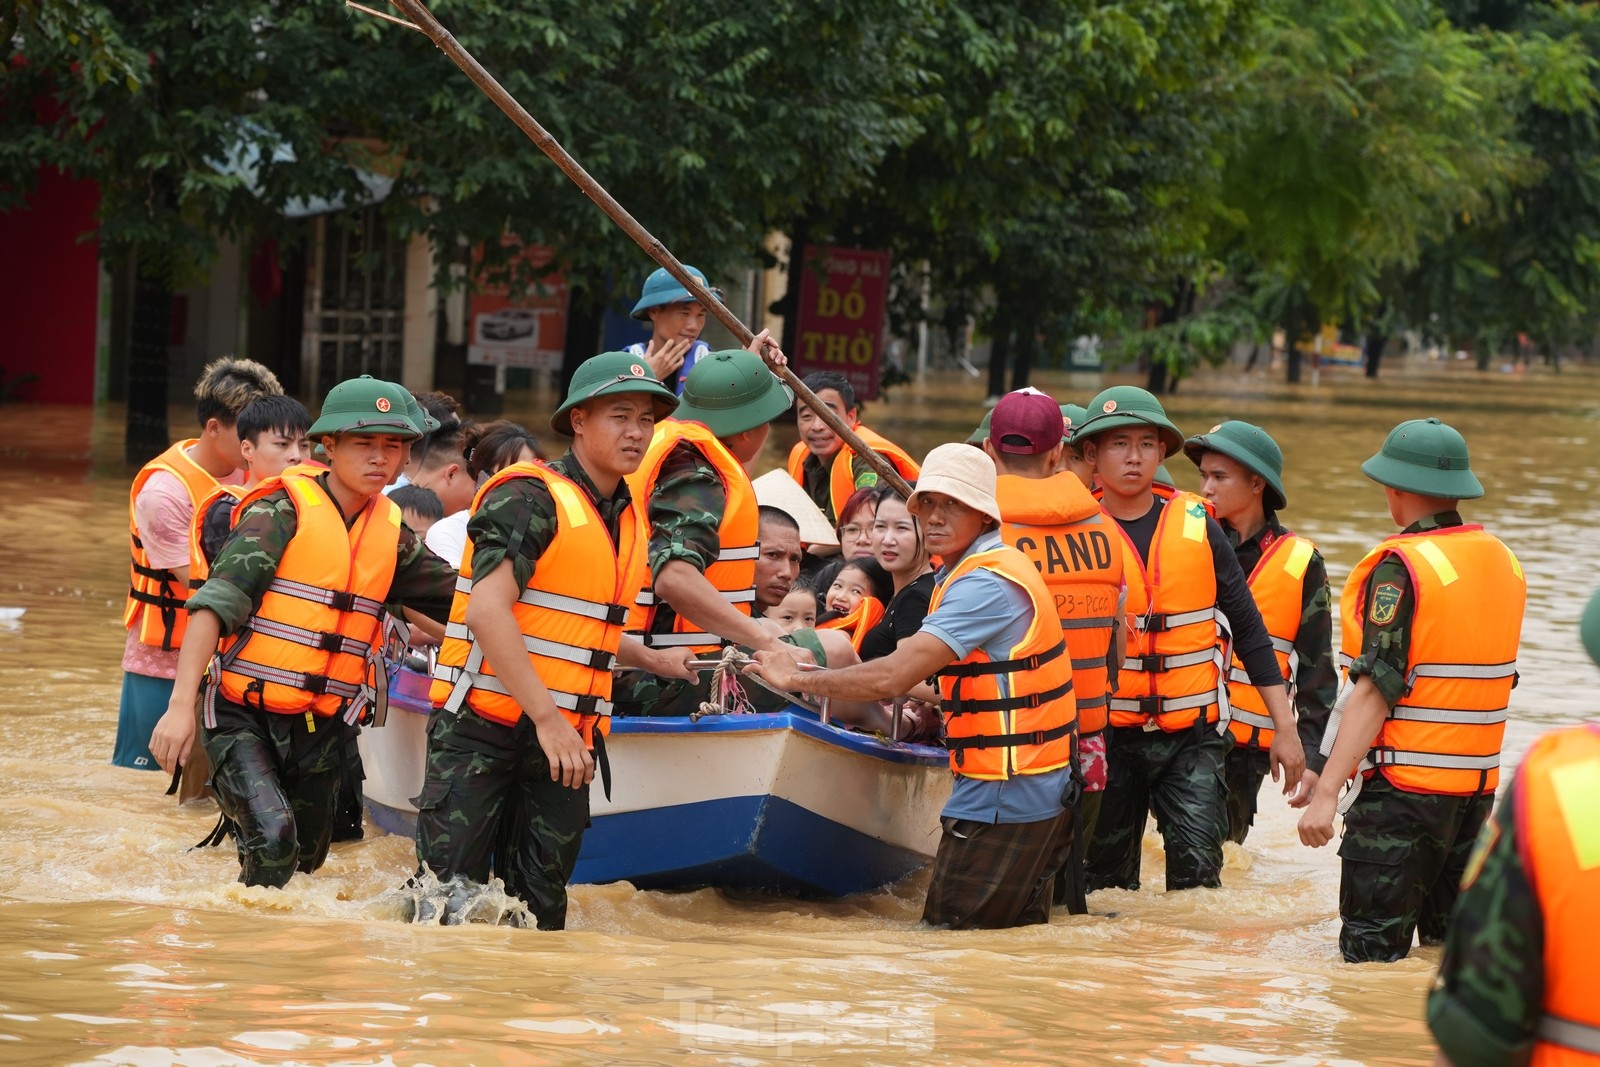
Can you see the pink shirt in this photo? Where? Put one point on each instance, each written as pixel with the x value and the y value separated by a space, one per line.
pixel 163 513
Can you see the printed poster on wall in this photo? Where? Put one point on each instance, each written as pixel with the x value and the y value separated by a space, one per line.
pixel 524 326
pixel 842 315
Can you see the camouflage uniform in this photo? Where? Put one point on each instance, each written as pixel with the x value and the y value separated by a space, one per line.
pixel 276 776
pixel 1403 853
pixel 818 479
pixel 488 804
pixel 1489 994
pixel 1316 683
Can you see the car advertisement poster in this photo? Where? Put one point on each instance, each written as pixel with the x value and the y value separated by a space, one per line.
pixel 843 303
pixel 523 323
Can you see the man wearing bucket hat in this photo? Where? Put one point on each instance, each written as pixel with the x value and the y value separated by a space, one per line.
pixel 704 524
pixel 1241 474
pixel 1169 739
pixel 1054 521
pixel 556 555
pixel 298 595
pixel 1521 967
pixel 1430 623
pixel 1005 682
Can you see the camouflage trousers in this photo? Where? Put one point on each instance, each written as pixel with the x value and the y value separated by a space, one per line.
pixel 1246 769
pixel 488 806
pixel 1403 856
pixel 275 777
pixel 1179 776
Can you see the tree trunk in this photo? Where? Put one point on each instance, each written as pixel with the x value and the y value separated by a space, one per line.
pixel 999 350
pixel 146 435
pixel 1156 381
pixel 585 317
pixel 789 306
pixel 1484 354
pixel 1027 353
pixel 1255 354
pixel 1372 351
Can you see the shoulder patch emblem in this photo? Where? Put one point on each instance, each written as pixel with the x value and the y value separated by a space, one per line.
pixel 1385 601
pixel 1480 852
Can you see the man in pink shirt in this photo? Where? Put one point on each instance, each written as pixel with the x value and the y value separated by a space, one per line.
pixel 161 507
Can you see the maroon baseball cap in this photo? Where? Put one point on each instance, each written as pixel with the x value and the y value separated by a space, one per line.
pixel 1026 422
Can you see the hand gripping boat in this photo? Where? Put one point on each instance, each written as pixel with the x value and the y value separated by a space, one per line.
pixel 780 802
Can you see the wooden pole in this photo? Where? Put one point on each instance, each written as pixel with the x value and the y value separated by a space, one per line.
pixel 424 21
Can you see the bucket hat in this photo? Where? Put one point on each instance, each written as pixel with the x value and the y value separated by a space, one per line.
pixel 607 374
pixel 366 405
pixel 731 392
pixel 662 288
pixel 1248 445
pixel 1426 457
pixel 962 473
pixel 1127 405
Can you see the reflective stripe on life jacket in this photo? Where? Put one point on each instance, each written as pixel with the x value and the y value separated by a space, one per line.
pixel 1444 734
pixel 1558 835
pixel 733 573
pixel 1061 529
pixel 570 614
pixel 841 472
pixel 861 618
pixel 312 644
pixel 155 606
pixel 1277 586
pixel 1013 716
pixel 1171 675
pixel 199 565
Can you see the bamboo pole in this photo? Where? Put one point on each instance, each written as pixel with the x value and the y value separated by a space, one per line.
pixel 424 21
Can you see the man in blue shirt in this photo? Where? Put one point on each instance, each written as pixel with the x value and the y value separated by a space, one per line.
pixel 993 637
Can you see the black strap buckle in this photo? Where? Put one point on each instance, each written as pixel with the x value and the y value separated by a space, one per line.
pixel 1149 705
pixel 330 642
pixel 316 684
pixel 616 614
pixel 339 601
pixel 587 705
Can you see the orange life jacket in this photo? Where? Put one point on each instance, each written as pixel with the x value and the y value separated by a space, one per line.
pixel 1277 585
pixel 733 574
pixel 1171 676
pixel 570 615
pixel 312 644
pixel 1444 734
pixel 1558 834
pixel 155 606
pixel 1060 527
pixel 857 621
pixel 1027 726
pixel 841 475
pixel 199 566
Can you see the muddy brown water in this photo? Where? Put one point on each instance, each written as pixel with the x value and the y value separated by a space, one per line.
pixel 117 946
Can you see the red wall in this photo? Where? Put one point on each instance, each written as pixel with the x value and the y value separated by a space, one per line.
pixel 49 285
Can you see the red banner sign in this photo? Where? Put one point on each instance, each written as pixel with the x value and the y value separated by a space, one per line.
pixel 524 326
pixel 842 315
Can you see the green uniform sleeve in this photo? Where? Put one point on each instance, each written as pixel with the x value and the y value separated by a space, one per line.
pixel 686 512
pixel 1386 629
pixel 1315 680
pixel 422 581
pixel 515 521
pixel 248 560
pixel 1488 997
pixel 861 472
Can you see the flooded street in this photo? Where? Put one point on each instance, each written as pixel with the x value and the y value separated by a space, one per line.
pixel 118 946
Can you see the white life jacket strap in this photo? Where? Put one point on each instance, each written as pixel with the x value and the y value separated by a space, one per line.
pixel 337 599
pixel 1581 1037
pixel 1407 713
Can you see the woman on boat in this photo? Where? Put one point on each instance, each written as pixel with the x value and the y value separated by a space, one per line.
pixel 855 522
pixel 898 548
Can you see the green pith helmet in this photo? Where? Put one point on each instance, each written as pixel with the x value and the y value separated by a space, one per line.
pixel 662 288
pixel 1072 416
pixel 420 416
pixel 1127 405
pixel 1164 477
pixel 731 392
pixel 366 405
pixel 1589 627
pixel 1426 457
pixel 607 374
pixel 981 434
pixel 1248 445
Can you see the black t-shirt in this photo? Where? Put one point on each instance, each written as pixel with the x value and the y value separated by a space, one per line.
pixel 902 617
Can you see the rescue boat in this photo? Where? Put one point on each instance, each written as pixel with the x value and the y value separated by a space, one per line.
pixel 781 802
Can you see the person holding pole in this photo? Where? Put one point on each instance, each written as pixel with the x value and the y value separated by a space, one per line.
pixel 822 465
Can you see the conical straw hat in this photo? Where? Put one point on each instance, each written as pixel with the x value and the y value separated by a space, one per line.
pixel 776 489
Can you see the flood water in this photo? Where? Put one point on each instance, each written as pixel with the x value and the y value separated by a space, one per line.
pixel 118 946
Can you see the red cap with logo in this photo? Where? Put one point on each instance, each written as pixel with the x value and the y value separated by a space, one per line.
pixel 1026 423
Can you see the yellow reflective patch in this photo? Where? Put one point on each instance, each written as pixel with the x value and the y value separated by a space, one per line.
pixel 393 514
pixel 1577 790
pixel 1480 851
pixel 1299 557
pixel 572 513
pixel 1438 561
pixel 304 493
pixel 1516 565
pixel 1194 521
